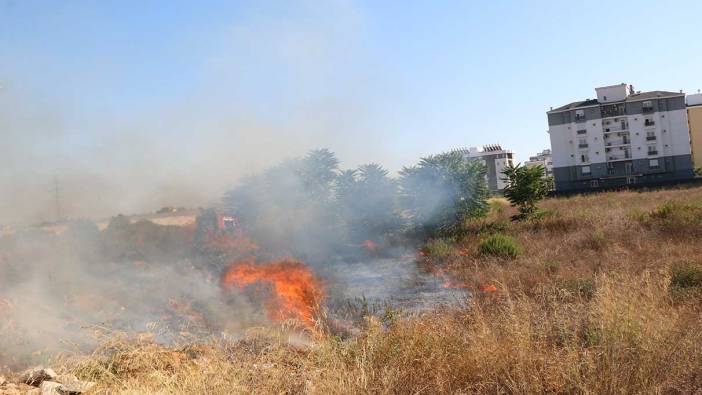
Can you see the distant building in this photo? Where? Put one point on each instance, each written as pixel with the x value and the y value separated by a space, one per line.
pixel 694 118
pixel 544 159
pixel 622 137
pixel 495 160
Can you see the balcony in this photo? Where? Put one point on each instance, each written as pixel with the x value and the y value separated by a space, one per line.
pixel 613 110
pixel 615 143
pixel 647 110
pixel 579 118
pixel 582 145
pixel 613 158
pixel 649 122
pixel 581 131
pixel 650 138
pixel 652 153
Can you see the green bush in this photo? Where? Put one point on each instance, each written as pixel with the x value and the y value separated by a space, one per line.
pixel 500 245
pixel 686 276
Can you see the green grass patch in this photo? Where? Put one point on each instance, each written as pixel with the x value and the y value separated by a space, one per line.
pixel 440 249
pixel 499 245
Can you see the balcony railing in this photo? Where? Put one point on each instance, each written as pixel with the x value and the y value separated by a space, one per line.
pixel 619 142
pixel 582 131
pixel 579 118
pixel 649 123
pixel 582 145
pixel 647 110
pixel 623 157
pixel 653 152
pixel 650 138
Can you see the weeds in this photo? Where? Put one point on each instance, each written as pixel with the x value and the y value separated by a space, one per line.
pixel 499 245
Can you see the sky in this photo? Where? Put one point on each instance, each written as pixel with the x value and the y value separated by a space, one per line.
pixel 129 106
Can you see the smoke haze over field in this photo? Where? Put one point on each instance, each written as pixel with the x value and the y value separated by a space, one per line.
pixel 264 90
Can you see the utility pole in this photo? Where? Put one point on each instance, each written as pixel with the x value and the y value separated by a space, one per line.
pixel 56 199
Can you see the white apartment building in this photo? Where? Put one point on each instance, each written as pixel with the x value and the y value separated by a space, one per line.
pixel 621 137
pixel 544 159
pixel 495 159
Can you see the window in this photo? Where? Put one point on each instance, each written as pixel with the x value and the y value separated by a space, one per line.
pixel 652 150
pixel 585 170
pixel 584 158
pixel 582 143
pixel 649 122
pixel 594 183
pixel 581 131
pixel 579 115
pixel 624 125
pixel 650 136
pixel 647 106
pixel 653 164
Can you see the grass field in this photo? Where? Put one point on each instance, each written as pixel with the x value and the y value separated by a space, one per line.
pixel 602 294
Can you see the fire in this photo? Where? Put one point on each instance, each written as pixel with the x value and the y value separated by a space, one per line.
pixel 296 290
pixel 452 283
pixel 370 245
pixel 488 288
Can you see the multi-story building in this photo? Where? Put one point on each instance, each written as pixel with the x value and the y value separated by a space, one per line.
pixel 622 137
pixel 495 160
pixel 694 119
pixel 544 159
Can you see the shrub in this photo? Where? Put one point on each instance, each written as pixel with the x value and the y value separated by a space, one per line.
pixel 500 245
pixel 676 217
pixel 526 186
pixel 686 276
pixel 596 241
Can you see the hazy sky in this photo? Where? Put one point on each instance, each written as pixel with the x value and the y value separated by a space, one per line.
pixel 135 105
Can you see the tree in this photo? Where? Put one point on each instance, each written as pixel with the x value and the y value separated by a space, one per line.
pixel 367 199
pixel 444 190
pixel 526 186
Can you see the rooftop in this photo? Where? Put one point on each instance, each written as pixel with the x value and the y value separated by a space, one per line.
pixel 631 98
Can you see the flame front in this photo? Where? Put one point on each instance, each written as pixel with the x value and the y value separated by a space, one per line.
pixel 297 291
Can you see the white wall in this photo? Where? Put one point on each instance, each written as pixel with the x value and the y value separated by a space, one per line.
pixel 612 93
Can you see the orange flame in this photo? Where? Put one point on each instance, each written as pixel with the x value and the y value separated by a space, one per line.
pixel 297 292
pixel 370 245
pixel 488 288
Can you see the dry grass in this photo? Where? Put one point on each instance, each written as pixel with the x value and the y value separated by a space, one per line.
pixel 587 308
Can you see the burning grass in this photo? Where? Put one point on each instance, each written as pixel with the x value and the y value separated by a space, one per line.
pixel 601 300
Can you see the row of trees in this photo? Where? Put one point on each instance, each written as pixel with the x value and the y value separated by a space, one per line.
pixel 310 204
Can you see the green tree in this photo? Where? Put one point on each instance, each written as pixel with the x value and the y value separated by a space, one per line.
pixel 368 202
pixel 526 186
pixel 444 190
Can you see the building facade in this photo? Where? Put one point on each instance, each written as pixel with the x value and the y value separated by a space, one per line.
pixel 694 119
pixel 495 159
pixel 544 159
pixel 622 137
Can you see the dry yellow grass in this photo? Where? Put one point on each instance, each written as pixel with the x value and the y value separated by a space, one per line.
pixel 587 308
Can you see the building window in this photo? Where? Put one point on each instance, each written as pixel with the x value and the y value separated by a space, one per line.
pixel 579 115
pixel 585 170
pixel 649 122
pixel 650 136
pixel 584 157
pixel 581 131
pixel 594 183
pixel 647 106
pixel 652 150
pixel 582 143
pixel 653 164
